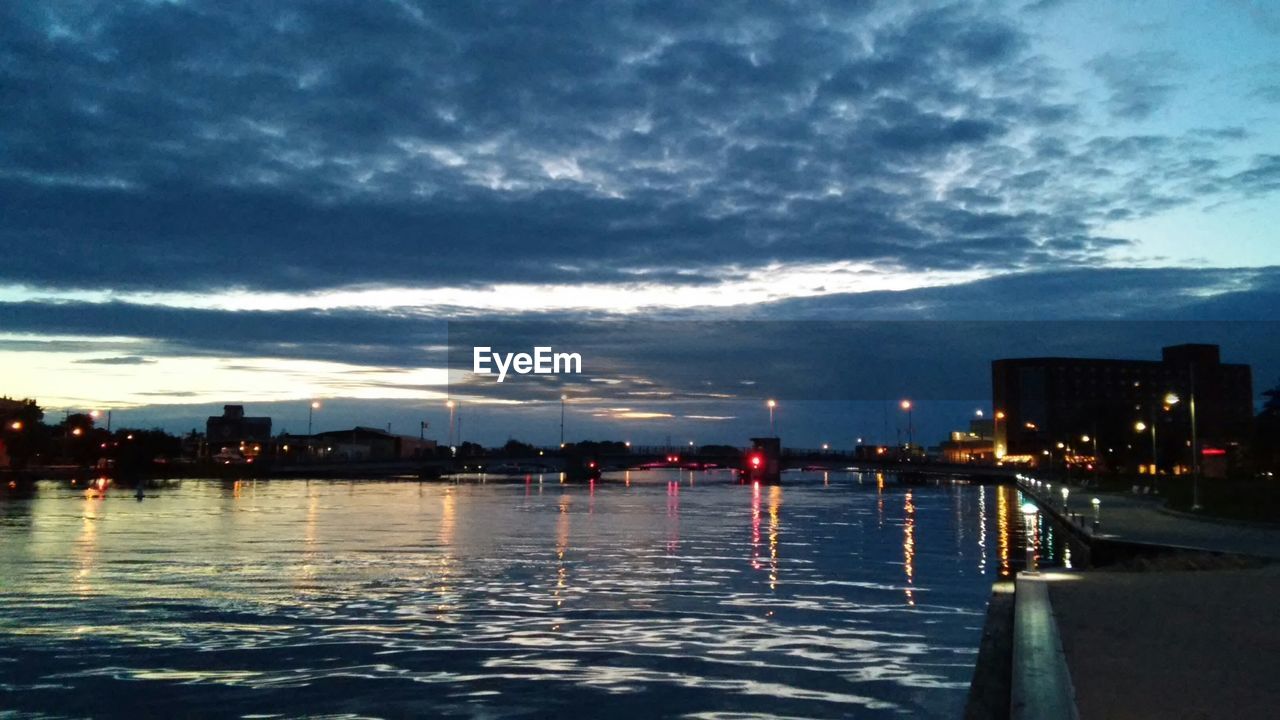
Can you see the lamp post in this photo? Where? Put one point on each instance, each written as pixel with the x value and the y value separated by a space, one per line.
pixel 1065 492
pixel 562 399
pixel 773 430
pixel 1172 399
pixel 451 405
pixel 1097 514
pixel 911 438
pixel 1155 463
pixel 1029 513
pixel 311 410
pixel 995 434
pixel 1097 464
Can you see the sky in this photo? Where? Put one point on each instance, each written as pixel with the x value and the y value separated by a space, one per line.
pixel 268 203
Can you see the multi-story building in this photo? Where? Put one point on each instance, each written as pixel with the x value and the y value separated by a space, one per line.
pixel 233 431
pixel 1121 412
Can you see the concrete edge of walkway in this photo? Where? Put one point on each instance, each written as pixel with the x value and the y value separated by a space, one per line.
pixel 1041 686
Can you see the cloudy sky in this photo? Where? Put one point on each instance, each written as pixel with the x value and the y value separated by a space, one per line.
pixel 263 203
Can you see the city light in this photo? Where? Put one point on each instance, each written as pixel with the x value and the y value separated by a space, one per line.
pixel 1172 399
pixel 16 425
pixel 911 439
pixel 1139 426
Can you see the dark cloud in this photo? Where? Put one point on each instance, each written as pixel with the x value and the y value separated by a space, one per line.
pixel 119 360
pixel 1139 83
pixel 378 339
pixel 157 146
pixel 1157 295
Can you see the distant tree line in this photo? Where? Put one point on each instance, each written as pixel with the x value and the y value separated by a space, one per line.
pixel 78 440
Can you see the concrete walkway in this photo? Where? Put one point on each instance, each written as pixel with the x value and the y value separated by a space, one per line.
pixel 1171 644
pixel 1139 519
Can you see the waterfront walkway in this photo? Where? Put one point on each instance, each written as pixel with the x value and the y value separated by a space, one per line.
pixel 1141 519
pixel 1158 639
pixel 1170 644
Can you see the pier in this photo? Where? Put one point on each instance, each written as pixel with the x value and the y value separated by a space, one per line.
pixel 1174 618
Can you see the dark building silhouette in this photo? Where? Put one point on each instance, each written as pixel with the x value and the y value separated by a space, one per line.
pixel 1041 402
pixel 365 443
pixel 234 430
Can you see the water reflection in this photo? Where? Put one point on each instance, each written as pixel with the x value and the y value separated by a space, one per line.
pixel 982 529
pixel 1002 523
pixel 648 594
pixel 909 546
pixel 775 503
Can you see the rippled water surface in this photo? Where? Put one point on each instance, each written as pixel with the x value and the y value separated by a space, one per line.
pixel 654 594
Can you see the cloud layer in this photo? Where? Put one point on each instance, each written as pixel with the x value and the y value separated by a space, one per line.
pixel 196 146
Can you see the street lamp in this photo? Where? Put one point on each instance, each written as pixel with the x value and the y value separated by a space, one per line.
pixel 911 439
pixel 1155 463
pixel 451 405
pixel 771 404
pixel 563 398
pixel 1097 460
pixel 16 425
pixel 1172 399
pixel 1097 514
pixel 1065 492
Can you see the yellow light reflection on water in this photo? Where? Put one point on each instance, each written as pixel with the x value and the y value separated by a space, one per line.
pixel 1002 524
pixel 562 544
pixel 982 529
pixel 909 546
pixel 775 503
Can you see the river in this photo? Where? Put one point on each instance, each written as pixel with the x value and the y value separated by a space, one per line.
pixel 646 594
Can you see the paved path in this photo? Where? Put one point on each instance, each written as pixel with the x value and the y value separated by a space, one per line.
pixel 1139 519
pixel 1171 644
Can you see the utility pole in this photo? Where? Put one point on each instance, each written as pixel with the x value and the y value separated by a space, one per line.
pixel 1195 448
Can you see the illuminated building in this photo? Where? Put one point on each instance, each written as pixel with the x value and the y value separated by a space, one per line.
pixel 1051 404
